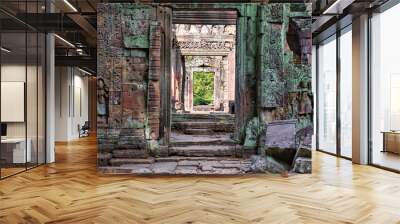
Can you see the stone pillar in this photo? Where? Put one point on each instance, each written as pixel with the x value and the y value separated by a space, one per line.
pixel 188 92
pixel 226 82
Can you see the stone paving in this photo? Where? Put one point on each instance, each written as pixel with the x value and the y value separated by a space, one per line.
pixel 185 166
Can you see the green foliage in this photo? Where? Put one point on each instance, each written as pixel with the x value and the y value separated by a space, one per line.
pixel 203 88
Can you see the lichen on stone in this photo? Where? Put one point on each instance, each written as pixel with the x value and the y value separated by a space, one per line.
pixel 253 131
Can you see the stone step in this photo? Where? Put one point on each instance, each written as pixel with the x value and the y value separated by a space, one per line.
pixel 197 158
pixel 186 166
pixel 205 151
pixel 130 153
pixel 201 117
pixel 199 141
pixel 215 126
pixel 124 161
pixel 198 131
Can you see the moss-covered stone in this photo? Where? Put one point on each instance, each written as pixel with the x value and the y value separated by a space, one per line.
pixel 137 41
pixel 253 131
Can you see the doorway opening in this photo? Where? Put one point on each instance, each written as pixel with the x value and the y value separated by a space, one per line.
pixel 203 83
pixel 203 91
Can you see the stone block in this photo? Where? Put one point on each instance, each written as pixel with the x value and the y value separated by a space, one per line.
pixel 131 132
pixel 280 134
pixel 267 164
pixel 115 116
pixel 133 96
pixel 140 145
pixel 302 165
pixel 272 13
pixel 104 147
pixel 188 163
pixel 164 167
pixel 130 153
pixel 136 11
pixel 130 140
pixel 115 97
pixel 186 170
pixel 131 76
pixel 103 159
pixel 127 161
pixel 303 152
pixel 113 132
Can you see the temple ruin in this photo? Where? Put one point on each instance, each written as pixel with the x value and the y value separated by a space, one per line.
pixel 258 113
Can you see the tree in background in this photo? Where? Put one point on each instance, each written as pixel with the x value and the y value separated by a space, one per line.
pixel 203 88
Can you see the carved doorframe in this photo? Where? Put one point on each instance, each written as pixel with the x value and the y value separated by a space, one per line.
pixel 245 61
pixel 189 71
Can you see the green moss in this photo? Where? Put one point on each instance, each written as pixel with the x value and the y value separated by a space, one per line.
pixel 136 41
pixel 253 130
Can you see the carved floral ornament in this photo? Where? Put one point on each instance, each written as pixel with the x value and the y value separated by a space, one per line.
pixel 186 29
pixel 207 37
pixel 199 61
pixel 204 44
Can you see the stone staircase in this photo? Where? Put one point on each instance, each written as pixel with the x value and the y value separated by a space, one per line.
pixel 203 135
pixel 199 144
pixel 203 124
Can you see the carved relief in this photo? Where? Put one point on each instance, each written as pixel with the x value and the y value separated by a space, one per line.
pixel 102 98
pixel 204 44
pixel 185 29
pixel 207 37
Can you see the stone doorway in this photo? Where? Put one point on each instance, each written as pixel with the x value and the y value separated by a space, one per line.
pixel 204 88
pixel 203 122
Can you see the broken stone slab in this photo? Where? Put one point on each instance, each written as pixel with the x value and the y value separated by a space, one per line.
pixel 142 171
pixel 302 165
pixel 275 166
pixel 229 164
pixel 138 168
pixel 245 168
pixel 209 165
pixel 258 163
pixel 226 171
pixel 183 170
pixel 188 163
pixel 164 167
pixel 267 164
pixel 302 152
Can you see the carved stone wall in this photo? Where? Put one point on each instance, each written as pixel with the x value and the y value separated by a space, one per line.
pixel 124 83
pixel 285 64
pixel 272 74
